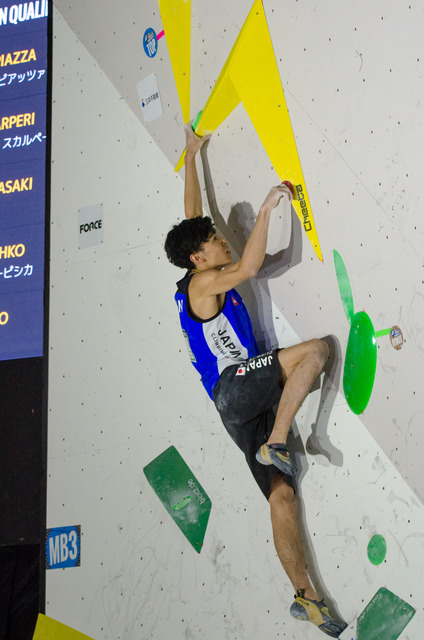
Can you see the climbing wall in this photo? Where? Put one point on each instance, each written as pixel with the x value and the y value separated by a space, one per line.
pixel 122 389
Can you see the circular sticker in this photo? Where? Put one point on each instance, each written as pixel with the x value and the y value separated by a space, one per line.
pixel 150 42
pixel 396 338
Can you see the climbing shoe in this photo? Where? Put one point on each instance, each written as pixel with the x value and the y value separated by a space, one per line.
pixel 278 455
pixel 315 611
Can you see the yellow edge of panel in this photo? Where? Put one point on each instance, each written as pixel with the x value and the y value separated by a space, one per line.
pixel 49 629
pixel 176 19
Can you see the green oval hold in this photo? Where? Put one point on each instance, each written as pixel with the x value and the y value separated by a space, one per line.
pixel 377 549
pixel 360 363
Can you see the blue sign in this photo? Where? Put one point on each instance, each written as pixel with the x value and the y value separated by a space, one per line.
pixel 22 259
pixel 150 42
pixel 24 17
pixel 23 65
pixel 21 324
pixel 22 129
pixel 22 193
pixel 23 148
pixel 63 547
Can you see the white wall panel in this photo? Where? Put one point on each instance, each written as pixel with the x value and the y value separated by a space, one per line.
pixel 121 386
pixel 352 78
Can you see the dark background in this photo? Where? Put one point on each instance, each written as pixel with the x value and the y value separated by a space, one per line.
pixel 22 496
pixel 23 442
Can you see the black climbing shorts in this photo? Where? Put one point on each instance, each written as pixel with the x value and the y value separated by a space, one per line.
pixel 246 396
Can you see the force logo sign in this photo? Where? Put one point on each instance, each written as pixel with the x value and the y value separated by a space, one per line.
pixel 90 226
pixel 305 213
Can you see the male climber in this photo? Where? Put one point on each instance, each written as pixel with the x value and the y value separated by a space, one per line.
pixel 245 384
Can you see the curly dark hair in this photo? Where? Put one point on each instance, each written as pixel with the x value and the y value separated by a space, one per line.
pixel 186 238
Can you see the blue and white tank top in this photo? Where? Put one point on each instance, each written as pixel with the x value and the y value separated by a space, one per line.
pixel 219 342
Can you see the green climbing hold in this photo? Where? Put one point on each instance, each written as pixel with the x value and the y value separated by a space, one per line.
pixel 384 618
pixel 377 549
pixel 181 494
pixel 383 332
pixel 196 121
pixel 360 362
pixel 344 285
pixel 184 502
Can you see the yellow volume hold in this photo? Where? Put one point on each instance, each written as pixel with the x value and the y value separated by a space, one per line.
pixel 49 629
pixel 176 20
pixel 250 75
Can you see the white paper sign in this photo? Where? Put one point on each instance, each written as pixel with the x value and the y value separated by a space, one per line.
pixel 90 228
pixel 148 92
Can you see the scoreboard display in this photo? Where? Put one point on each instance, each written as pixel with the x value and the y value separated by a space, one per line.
pixel 23 153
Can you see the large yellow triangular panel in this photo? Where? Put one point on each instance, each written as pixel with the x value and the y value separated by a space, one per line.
pixel 250 75
pixel 176 20
pixel 49 629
